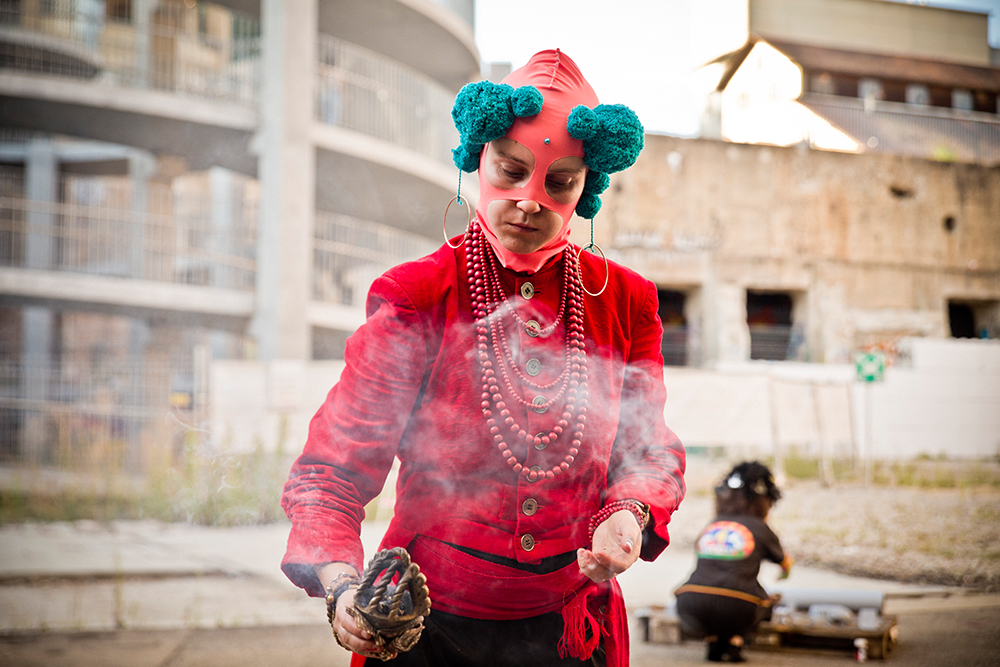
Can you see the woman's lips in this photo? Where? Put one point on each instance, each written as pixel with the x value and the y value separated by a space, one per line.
pixel 521 226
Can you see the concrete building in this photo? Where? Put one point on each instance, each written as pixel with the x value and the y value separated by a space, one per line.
pixel 188 181
pixel 862 76
pixel 805 252
pixel 845 198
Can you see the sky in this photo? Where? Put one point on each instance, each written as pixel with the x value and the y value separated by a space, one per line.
pixel 643 53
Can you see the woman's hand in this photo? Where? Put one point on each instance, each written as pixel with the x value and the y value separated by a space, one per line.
pixel 616 547
pixel 346 630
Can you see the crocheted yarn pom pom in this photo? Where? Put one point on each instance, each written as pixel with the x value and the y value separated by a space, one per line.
pixel 588 206
pixel 527 101
pixel 596 183
pixel 616 146
pixel 482 111
pixel 582 123
pixel 466 157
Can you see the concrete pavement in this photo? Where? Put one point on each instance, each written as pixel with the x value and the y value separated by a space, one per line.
pixel 147 593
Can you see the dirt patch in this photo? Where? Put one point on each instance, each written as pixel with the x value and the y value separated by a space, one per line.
pixel 945 537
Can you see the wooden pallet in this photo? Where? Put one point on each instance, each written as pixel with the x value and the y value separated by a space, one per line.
pixel 659 626
pixel 807 633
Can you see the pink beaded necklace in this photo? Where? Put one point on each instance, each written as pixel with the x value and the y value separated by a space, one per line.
pixel 489 304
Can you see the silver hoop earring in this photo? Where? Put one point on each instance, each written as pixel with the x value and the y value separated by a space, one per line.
pixel 579 269
pixel 579 264
pixel 444 228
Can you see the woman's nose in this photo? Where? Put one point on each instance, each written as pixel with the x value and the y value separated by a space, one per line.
pixel 529 206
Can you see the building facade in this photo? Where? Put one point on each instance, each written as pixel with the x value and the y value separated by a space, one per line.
pixel 188 181
pixel 862 76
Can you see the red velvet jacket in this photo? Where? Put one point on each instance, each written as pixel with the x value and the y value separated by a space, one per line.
pixel 411 389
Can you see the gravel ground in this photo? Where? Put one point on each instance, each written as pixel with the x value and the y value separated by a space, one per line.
pixel 948 537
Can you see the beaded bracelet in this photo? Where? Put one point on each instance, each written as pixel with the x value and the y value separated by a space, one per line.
pixel 341 583
pixel 640 511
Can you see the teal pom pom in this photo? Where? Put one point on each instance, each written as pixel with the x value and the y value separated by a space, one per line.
pixel 582 123
pixel 588 206
pixel 596 183
pixel 616 146
pixel 482 111
pixel 466 157
pixel 527 101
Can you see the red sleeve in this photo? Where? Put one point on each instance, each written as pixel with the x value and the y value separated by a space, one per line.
pixel 354 437
pixel 647 460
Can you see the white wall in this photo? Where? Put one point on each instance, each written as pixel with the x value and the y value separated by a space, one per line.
pixel 944 401
pixel 267 404
pixel 940 397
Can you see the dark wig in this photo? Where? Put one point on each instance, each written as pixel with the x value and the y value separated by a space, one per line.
pixel 749 488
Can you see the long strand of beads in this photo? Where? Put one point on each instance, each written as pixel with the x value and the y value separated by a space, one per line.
pixel 492 402
pixel 502 351
pixel 495 296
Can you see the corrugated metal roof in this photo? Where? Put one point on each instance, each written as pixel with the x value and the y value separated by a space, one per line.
pixel 879 66
pixel 890 67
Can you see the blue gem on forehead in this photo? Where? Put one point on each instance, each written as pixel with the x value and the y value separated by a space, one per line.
pixel 547 141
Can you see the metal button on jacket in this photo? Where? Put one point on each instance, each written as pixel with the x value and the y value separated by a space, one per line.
pixel 540 446
pixel 527 290
pixel 539 403
pixel 533 328
pixel 527 542
pixel 533 367
pixel 529 507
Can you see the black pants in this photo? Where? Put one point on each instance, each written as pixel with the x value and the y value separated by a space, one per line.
pixel 704 615
pixel 457 641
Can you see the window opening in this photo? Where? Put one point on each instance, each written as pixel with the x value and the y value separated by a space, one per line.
pixel 675 327
pixel 769 317
pixel 961 320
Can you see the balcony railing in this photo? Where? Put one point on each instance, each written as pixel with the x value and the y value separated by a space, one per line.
pixel 675 345
pixel 202 50
pixel 776 342
pixel 113 228
pixel 914 131
pixel 81 416
pixel 349 254
pixel 363 91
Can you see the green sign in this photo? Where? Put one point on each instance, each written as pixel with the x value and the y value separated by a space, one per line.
pixel 870 366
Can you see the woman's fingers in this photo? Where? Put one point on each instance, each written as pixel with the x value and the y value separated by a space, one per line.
pixel 593 567
pixel 350 635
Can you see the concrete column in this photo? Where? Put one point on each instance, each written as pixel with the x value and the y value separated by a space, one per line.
pixel 733 335
pixel 141 167
pixel 142 19
pixel 41 188
pixel 142 392
pixel 287 179
pixel 41 185
pixel 221 226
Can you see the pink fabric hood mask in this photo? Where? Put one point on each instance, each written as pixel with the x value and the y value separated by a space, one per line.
pixel 563 87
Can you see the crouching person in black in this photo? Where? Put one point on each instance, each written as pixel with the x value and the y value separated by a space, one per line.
pixel 722 601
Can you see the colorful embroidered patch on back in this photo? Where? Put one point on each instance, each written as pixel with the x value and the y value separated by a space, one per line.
pixel 725 540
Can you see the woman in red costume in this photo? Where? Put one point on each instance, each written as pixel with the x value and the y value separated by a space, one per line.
pixel 523 401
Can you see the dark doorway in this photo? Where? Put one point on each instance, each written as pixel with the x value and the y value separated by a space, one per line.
pixel 962 320
pixel 769 317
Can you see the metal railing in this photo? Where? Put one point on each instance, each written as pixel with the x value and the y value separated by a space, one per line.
pixel 363 91
pixel 675 345
pixel 202 50
pixel 914 131
pixel 101 417
pixel 110 227
pixel 776 342
pixel 349 254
